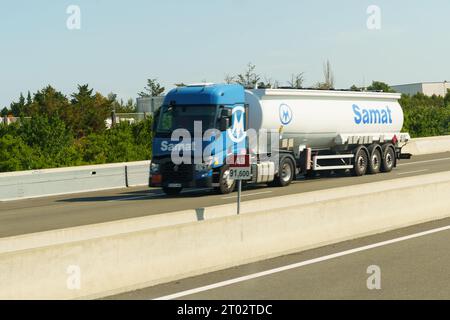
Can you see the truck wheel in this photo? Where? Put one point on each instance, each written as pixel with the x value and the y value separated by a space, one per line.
pixel 388 161
pixel 375 161
pixel 226 185
pixel 172 191
pixel 360 162
pixel 285 174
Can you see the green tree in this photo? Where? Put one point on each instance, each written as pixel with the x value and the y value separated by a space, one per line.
pixel 120 106
pixel 29 99
pixel 49 102
pixel 425 116
pixel 152 89
pixel 447 98
pixel 249 78
pixel 18 108
pixel 95 148
pixel 379 86
pixel 16 155
pixel 4 112
pixel 121 144
pixel 88 111
pixel 143 135
pixel 49 137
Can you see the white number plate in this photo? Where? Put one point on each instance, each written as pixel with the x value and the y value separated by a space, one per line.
pixel 174 185
pixel 241 173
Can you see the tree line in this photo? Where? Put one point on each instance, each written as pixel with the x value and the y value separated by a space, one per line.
pixel 70 131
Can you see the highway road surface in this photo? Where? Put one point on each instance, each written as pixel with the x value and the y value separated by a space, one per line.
pixel 409 263
pixel 35 215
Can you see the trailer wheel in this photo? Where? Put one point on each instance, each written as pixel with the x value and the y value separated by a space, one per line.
pixel 172 191
pixel 360 162
pixel 285 174
pixel 226 185
pixel 375 161
pixel 388 161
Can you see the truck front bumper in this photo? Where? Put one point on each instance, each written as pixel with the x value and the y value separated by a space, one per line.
pixel 182 176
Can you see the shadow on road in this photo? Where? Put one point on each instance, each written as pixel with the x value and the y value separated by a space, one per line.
pixel 154 194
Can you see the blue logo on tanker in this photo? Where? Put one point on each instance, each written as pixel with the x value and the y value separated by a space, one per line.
pixel 285 114
pixel 237 132
pixel 372 116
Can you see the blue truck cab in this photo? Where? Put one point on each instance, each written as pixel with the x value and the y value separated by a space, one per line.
pixel 195 109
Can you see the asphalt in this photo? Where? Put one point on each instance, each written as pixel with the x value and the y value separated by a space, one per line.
pixel 417 267
pixel 36 215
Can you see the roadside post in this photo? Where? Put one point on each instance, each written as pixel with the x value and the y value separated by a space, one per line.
pixel 240 170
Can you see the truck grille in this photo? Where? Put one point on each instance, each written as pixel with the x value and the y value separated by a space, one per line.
pixel 183 172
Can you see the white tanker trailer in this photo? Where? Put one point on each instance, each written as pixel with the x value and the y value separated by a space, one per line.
pixel 318 131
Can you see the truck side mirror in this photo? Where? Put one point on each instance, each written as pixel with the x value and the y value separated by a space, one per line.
pixel 224 124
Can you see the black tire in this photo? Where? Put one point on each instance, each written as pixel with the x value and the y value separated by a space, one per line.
pixel 375 161
pixel 172 191
pixel 226 186
pixel 285 173
pixel 311 174
pixel 388 161
pixel 360 162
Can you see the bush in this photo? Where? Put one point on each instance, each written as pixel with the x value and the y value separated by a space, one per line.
pixel 15 155
pixel 426 116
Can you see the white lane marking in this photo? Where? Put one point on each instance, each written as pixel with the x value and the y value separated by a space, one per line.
pixel 248 194
pixel 424 161
pixel 410 172
pixel 299 264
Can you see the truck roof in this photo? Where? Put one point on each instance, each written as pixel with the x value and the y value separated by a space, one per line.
pixel 213 94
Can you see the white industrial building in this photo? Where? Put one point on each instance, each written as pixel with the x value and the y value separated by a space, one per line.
pixel 427 88
pixel 149 105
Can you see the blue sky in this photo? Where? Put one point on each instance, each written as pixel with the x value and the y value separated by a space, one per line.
pixel 122 43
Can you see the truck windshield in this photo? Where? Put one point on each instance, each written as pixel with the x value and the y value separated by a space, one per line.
pixel 183 117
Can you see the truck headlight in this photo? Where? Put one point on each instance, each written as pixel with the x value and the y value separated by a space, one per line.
pixel 154 168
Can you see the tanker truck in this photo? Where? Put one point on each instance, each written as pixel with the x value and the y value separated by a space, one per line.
pixel 317 132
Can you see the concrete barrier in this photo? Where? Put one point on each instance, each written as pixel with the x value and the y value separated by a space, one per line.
pixel 420 146
pixel 118 256
pixel 49 182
